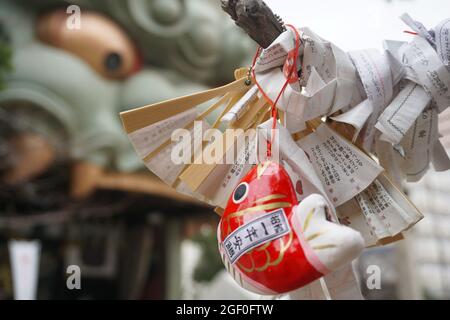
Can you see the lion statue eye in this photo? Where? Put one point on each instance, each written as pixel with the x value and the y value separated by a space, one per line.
pixel 240 193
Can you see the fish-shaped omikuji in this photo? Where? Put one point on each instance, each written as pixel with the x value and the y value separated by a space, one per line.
pixel 271 243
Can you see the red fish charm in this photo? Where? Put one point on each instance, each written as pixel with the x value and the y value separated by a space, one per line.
pixel 262 239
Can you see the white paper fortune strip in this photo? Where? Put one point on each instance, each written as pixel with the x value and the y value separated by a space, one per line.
pixel 423 66
pixel 381 211
pixel 417 27
pixel 403 111
pixel 442 34
pixel 375 74
pixel 328 78
pixel 163 165
pixel 240 107
pixel 356 116
pixel 147 139
pixel 297 164
pixel 343 169
pixel 418 144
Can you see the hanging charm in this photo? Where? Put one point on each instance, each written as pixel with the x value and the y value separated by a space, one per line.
pixel 271 244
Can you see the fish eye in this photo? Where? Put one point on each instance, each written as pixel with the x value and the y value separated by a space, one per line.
pixel 240 193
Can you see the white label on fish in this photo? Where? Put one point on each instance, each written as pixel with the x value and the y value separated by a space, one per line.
pixel 268 227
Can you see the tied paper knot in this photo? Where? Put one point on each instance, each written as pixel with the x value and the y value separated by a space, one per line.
pixel 327 75
pixel 399 85
pixel 387 97
pixel 420 75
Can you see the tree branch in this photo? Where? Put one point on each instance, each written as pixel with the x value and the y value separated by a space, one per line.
pixel 256 19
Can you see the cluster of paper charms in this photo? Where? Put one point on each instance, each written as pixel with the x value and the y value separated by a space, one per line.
pixel 351 127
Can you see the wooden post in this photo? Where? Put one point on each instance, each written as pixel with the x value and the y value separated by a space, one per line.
pixel 173 239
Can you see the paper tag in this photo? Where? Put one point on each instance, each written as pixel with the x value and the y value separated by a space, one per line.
pixel 391 50
pixel 409 213
pixel 333 67
pixel 163 167
pixel 423 63
pixel 343 284
pixel 343 169
pixel 312 291
pixel 400 115
pixel 183 188
pixel 418 143
pixel 303 187
pixel 328 76
pixel 294 123
pixel 350 215
pixel 417 27
pixel 271 81
pixel 440 158
pixel 388 159
pixel 316 99
pixel 147 139
pixel 162 163
pixel 24 256
pixel 345 75
pixel 240 107
pixel 315 52
pixel 373 69
pixel 298 165
pixel 442 35
pixel 356 116
pixel 383 214
pixel 374 202
pixel 277 53
pixel 268 227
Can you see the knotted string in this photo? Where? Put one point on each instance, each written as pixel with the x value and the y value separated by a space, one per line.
pixel 273 104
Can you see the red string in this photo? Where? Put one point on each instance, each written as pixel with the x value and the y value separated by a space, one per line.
pixel 410 32
pixel 274 110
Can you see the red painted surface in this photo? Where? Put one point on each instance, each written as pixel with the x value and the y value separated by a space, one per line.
pixel 267 264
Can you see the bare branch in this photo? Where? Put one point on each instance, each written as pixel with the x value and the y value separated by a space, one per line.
pixel 256 19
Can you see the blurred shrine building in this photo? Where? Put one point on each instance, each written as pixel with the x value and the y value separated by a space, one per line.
pixel 69 176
